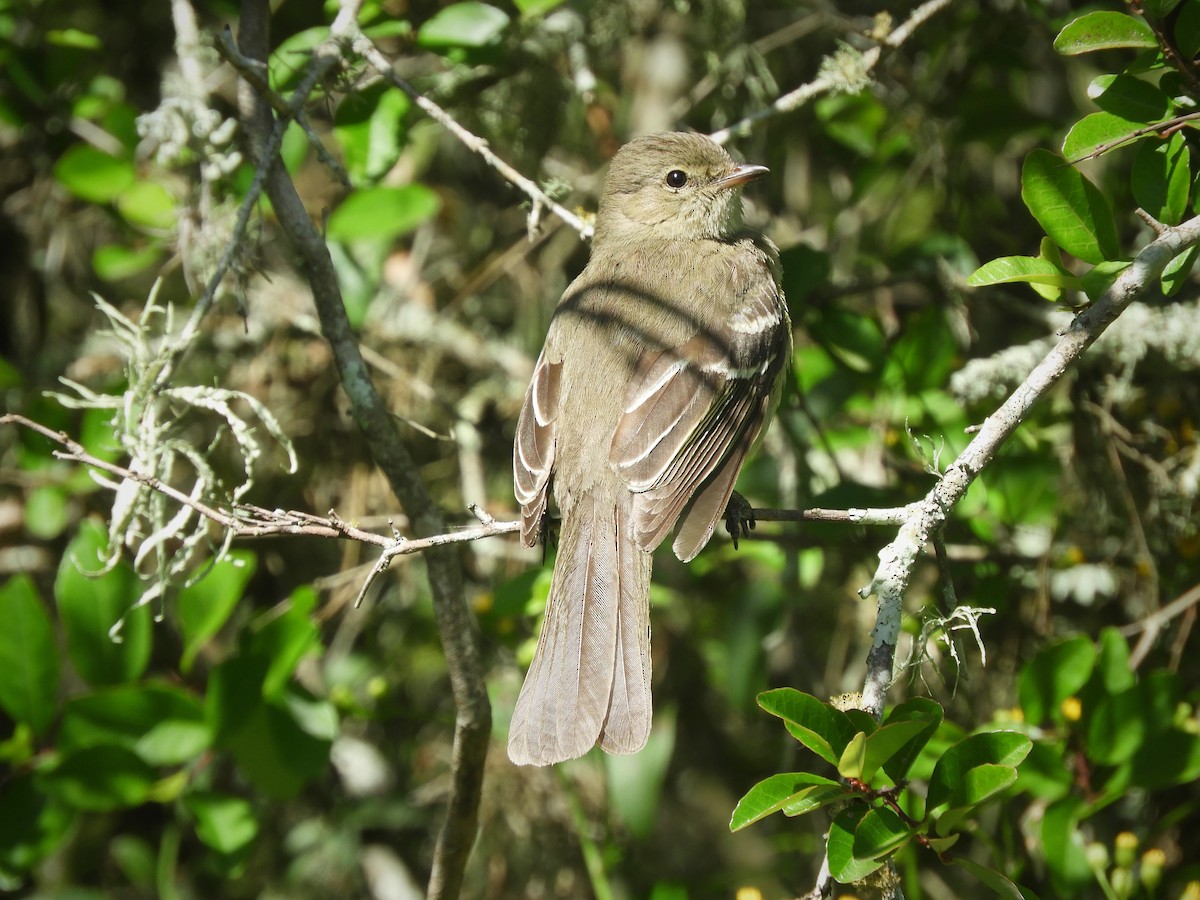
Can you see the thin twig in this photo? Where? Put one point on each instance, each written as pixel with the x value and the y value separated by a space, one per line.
pixel 360 44
pixel 831 82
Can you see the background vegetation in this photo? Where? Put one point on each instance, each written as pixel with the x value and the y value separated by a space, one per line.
pixel 248 733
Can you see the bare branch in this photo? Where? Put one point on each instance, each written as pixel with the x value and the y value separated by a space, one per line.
pixel 360 44
pixel 831 80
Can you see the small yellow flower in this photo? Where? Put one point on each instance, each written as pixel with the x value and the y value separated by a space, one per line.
pixel 749 893
pixel 1072 709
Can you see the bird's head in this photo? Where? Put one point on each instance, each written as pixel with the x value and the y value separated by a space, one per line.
pixel 672 186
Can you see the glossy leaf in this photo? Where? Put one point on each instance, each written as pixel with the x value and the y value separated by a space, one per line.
pixel 90 606
pixel 1052 676
pixel 1097 133
pixel 1104 30
pixel 382 213
pixel 469 24
pixel 1177 272
pixel 1131 98
pixel 1032 269
pixel 879 833
pixel 1069 207
pixel 203 607
pixel 793 793
pixel 29 664
pixel 819 727
pixel 954 781
pixel 914 709
pixel 843 864
pixel 887 741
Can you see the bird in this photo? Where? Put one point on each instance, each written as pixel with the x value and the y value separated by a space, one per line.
pixel 658 373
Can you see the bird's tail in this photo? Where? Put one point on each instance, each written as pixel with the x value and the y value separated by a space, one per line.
pixel 590 678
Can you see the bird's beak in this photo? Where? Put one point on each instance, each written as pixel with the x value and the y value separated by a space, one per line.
pixel 740 175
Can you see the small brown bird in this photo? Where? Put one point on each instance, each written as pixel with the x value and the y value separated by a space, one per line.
pixel 656 377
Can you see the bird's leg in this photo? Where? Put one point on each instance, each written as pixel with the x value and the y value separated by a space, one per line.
pixel 739 517
pixel 548 532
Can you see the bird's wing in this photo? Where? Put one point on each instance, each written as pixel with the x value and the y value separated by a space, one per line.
pixel 533 448
pixel 691 415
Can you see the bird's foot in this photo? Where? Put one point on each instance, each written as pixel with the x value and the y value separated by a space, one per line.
pixel 739 518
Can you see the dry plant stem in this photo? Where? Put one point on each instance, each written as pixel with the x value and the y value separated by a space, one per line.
pixel 827 83
pixel 897 559
pixel 457 628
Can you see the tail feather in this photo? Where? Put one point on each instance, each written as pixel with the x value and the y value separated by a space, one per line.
pixel 590 677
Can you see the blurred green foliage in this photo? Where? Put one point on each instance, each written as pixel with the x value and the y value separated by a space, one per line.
pixel 248 735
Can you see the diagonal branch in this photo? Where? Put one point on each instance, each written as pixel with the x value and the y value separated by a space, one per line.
pixel 897 559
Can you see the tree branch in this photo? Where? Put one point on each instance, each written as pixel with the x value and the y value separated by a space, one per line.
pixel 832 77
pixel 897 559
pixel 456 626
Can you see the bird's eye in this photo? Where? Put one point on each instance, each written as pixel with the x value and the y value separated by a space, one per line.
pixel 676 178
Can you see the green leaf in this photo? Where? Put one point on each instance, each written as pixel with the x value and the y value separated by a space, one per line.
pixel 163 724
pixel 283 640
pixel 1178 271
pixel 1167 760
pixel 1033 269
pixel 531 8
pixel 382 213
pixel 468 24
pixel 203 607
pixel 793 793
pixel 954 781
pixel 113 262
pixel 1112 671
pixel 1187 31
pixel 47 511
pixel 227 824
pixel 886 742
pixel 1055 674
pixel 1100 277
pixel 1069 207
pixel 74 38
pixel 843 864
pixel 1104 31
pixel 100 778
pixel 149 205
pixel 854 340
pixel 1063 848
pixel 1131 98
pixel 853 761
pixel 990 878
pixel 32 824
pixel 915 709
pixel 879 833
pixel 819 727
pixel 1096 133
pixel 29 666
pixel 93 175
pixel 369 128
pixel 90 607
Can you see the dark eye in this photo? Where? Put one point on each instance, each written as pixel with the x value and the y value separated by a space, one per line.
pixel 676 178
